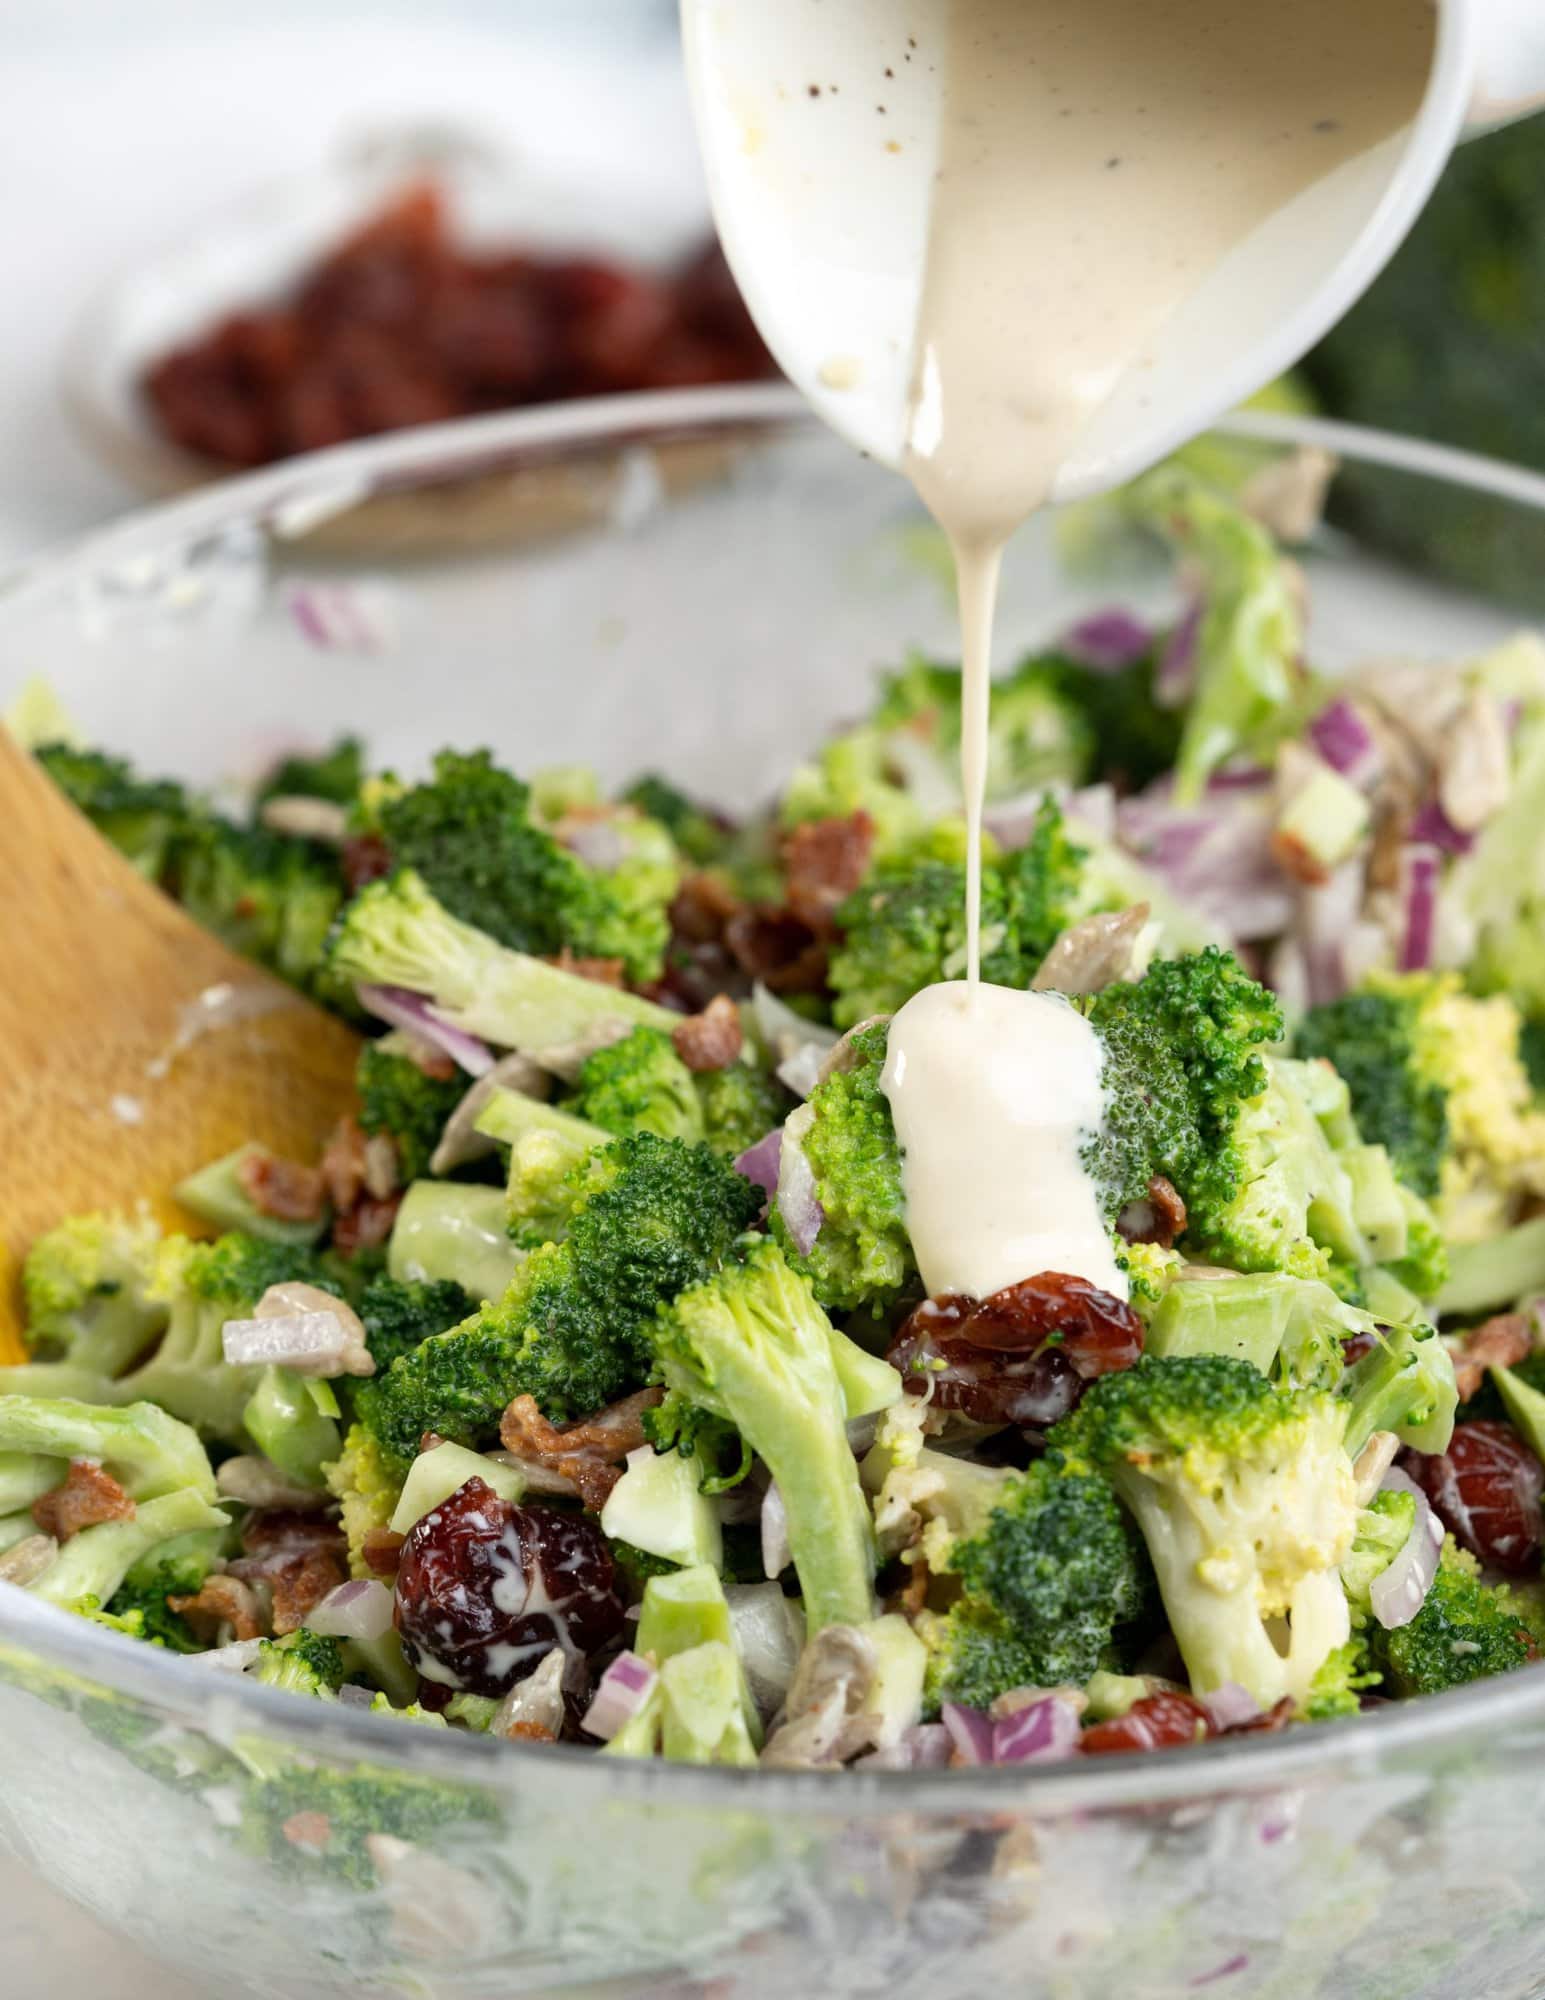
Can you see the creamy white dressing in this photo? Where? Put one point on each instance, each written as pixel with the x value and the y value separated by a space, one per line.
pixel 1097 160
pixel 994 1186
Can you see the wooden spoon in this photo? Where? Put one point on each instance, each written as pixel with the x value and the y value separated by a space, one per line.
pixel 134 1047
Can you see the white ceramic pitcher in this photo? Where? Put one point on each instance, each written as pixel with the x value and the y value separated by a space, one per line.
pixel 827 237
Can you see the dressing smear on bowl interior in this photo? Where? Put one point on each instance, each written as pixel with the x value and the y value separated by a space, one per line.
pixel 1097 160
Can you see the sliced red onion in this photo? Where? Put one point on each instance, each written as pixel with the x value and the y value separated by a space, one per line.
pixel 1328 926
pixel 1108 641
pixel 1093 807
pixel 797 1201
pixel 358 1609
pixel 414 1013
pixel 1238 1963
pixel 759 1163
pixel 1420 871
pixel 776 1554
pixel 1177 662
pixel 624 1688
pixel 1432 827
pixel 311 1340
pixel 971 1732
pixel 342 617
pixel 1038 1733
pixel 1399 1592
pixel 1230 1705
pixel 1216 859
pixel 1346 742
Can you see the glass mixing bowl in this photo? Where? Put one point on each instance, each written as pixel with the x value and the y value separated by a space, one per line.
pixel 703 584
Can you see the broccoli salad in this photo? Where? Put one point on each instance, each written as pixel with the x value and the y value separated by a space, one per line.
pixel 588 1388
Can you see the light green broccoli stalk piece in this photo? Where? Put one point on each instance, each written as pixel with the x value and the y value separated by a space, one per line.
pixel 447 1232
pixel 753 1348
pixel 87 1290
pixel 1245 1499
pixel 301 1663
pixel 700 1710
pixel 1501 882
pixel 1405 1384
pixel 395 933
pixel 147 1451
pixel 90 1568
pixel 841 1148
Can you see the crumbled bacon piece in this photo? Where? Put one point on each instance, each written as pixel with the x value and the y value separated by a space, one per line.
pixel 299 1584
pixel 588 1455
pixel 366 858
pixel 704 905
pixel 310 1830
pixel 89 1495
pixel 824 861
pixel 531 1732
pixel 367 1224
pixel 381 1549
pixel 343 1164
pixel 223 1601
pixel 602 971
pixel 712 1039
pixel 282 1188
pixel 778 948
pixel 1500 1342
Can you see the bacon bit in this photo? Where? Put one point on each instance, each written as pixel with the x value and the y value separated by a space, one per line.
pixel 1268 1722
pixel 282 1188
pixel 366 858
pixel 778 948
pixel 1156 1722
pixel 223 1600
pixel 88 1495
pixel 824 861
pixel 1293 857
pixel 710 1040
pixel 381 1550
pixel 424 1056
pixel 587 1454
pixel 277 1535
pixel 704 905
pixel 602 971
pixel 310 1830
pixel 367 1225
pixel 343 1164
pixel 531 1732
pixel 1501 1342
pixel 298 1587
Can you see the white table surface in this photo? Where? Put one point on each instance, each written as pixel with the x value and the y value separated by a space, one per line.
pixel 120 125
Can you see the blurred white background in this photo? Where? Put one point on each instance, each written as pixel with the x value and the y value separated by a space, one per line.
pixel 123 123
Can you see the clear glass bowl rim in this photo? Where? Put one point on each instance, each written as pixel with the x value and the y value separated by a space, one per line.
pixel 202 1698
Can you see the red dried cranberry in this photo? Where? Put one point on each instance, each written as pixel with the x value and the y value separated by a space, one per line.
pixel 1157 1722
pixel 486 1588
pixel 1022 1356
pixel 1486 1489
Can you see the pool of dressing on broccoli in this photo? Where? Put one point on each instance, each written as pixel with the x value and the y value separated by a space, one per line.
pixel 1097 159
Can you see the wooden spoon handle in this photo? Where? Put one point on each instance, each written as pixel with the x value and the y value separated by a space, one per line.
pixel 134 1047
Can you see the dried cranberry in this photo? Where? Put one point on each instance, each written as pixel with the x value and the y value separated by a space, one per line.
pixel 1022 1356
pixel 1486 1489
pixel 486 1588
pixel 1157 1722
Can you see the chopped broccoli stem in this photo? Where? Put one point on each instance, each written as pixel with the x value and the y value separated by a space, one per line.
pixel 90 1568
pixel 215 1195
pixel 447 1232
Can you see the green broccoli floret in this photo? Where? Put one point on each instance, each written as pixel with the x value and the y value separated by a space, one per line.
pixel 395 933
pixel 470 835
pixel 86 1286
pixel 143 818
pixel 268 897
pixel 1182 1059
pixel 91 1567
pixel 844 1138
pixel 397 1097
pixel 1400 1102
pixel 1244 1495
pixel 1405 1384
pixel 367 1486
pixel 301 1663
pixel 1465 1631
pixel 398 1317
pixel 741 1104
pixel 348 1805
pixel 751 1346
pixel 855 773
pixel 176 1569
pixel 703 836
pixel 652 1217
pixel 335 774
pixel 1046 1581
pixel 639 1084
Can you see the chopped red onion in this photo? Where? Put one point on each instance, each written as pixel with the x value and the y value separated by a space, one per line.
pixel 797 1201
pixel 776 1554
pixel 1432 827
pixel 342 617
pixel 1399 1592
pixel 1217 858
pixel 1420 870
pixel 759 1163
pixel 1238 1963
pixel 1041 1732
pixel 624 1688
pixel 1346 742
pixel 1108 641
pixel 1177 661
pixel 1094 808
pixel 414 1013
pixel 971 1732
pixel 315 1340
pixel 358 1609
pixel 1230 1705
